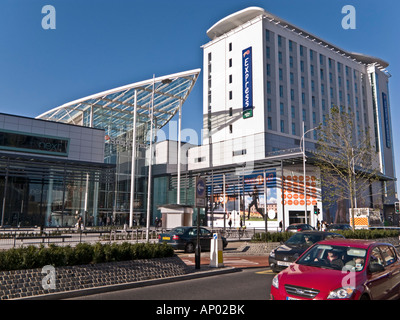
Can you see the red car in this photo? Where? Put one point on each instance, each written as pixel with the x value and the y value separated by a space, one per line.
pixel 341 269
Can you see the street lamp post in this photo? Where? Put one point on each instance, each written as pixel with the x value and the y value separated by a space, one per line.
pixel 302 146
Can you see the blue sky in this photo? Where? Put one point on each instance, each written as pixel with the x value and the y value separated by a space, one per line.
pixel 101 44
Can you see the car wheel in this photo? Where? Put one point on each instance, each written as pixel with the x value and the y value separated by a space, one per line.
pixel 189 247
pixel 365 297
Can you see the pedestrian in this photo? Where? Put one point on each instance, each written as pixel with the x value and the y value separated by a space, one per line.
pixel 280 225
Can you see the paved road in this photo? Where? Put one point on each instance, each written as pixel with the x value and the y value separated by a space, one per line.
pixel 246 284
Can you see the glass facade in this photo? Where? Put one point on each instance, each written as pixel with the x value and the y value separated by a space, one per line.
pixel 49 193
pixel 127 115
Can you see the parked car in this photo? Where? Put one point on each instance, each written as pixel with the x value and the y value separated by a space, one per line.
pixel 289 251
pixel 184 238
pixel 295 227
pixel 341 269
pixel 338 226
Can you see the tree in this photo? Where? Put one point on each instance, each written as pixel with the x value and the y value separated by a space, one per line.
pixel 347 159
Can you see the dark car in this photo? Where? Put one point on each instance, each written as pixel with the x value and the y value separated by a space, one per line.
pixel 295 227
pixel 338 226
pixel 288 252
pixel 184 238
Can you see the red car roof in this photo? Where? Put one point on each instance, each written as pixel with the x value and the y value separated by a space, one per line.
pixel 349 242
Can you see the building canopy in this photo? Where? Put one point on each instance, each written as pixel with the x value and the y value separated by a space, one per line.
pixel 113 109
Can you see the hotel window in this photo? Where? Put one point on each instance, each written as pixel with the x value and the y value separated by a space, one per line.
pixel 290 45
pixel 303 98
pixel 230 46
pixel 340 81
pixel 293 128
pixel 280 74
pixel 311 55
pixel 313 101
pixel 269 123
pixel 302 66
pixel 321 59
pixel 304 114
pixel 267 35
pixel 312 70
pixel 293 112
pixel 280 57
pixel 230 95
pixel 230 128
pixel 322 89
pixel 323 104
pixel 330 77
pixel 282 108
pixel 301 50
pixel 268 86
pixel 268 52
pixel 230 112
pixel 321 73
pixel 291 78
pixel 291 61
pixel 314 117
pixel 292 94
pixel 283 126
pixel 230 63
pixel 302 82
pixel 269 105
pixel 239 152
pixel 268 69
pixel 230 78
pixel 281 91
pixel 312 85
pixel 330 63
pixel 339 67
pixel 279 41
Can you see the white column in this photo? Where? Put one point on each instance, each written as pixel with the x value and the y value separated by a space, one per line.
pixel 150 164
pixel 178 195
pixel 132 196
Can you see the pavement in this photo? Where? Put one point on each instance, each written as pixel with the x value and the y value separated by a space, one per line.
pixel 238 254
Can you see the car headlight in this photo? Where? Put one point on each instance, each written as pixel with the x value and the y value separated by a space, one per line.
pixel 275 282
pixel 341 293
pixel 272 254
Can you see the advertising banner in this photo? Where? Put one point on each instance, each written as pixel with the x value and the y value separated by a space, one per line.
pixel 247 83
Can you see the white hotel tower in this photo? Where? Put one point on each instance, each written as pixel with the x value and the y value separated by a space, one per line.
pixel 293 77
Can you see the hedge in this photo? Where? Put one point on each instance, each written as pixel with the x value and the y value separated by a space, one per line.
pixel 349 234
pixel 32 257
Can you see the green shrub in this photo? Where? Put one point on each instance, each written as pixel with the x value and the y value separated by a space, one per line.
pixel 84 253
pixel 271 236
pixel 349 234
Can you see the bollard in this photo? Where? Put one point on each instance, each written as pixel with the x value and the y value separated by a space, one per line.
pixel 216 251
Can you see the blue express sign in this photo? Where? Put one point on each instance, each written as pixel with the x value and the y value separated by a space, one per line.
pixel 247 83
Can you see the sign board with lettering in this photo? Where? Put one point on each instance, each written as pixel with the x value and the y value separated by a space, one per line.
pixel 33 143
pixel 247 83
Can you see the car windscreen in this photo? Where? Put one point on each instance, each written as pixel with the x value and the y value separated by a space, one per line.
pixel 303 239
pixel 334 257
pixel 178 231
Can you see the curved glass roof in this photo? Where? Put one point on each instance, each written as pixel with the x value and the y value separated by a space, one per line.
pixel 113 109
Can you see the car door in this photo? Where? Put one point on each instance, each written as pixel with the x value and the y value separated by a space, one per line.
pixel 392 266
pixel 205 238
pixel 378 282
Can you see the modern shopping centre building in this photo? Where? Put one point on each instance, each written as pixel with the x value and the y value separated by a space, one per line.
pixel 265 83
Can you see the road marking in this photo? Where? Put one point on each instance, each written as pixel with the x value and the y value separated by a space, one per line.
pixel 268 271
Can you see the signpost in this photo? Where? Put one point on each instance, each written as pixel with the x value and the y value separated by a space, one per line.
pixel 200 202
